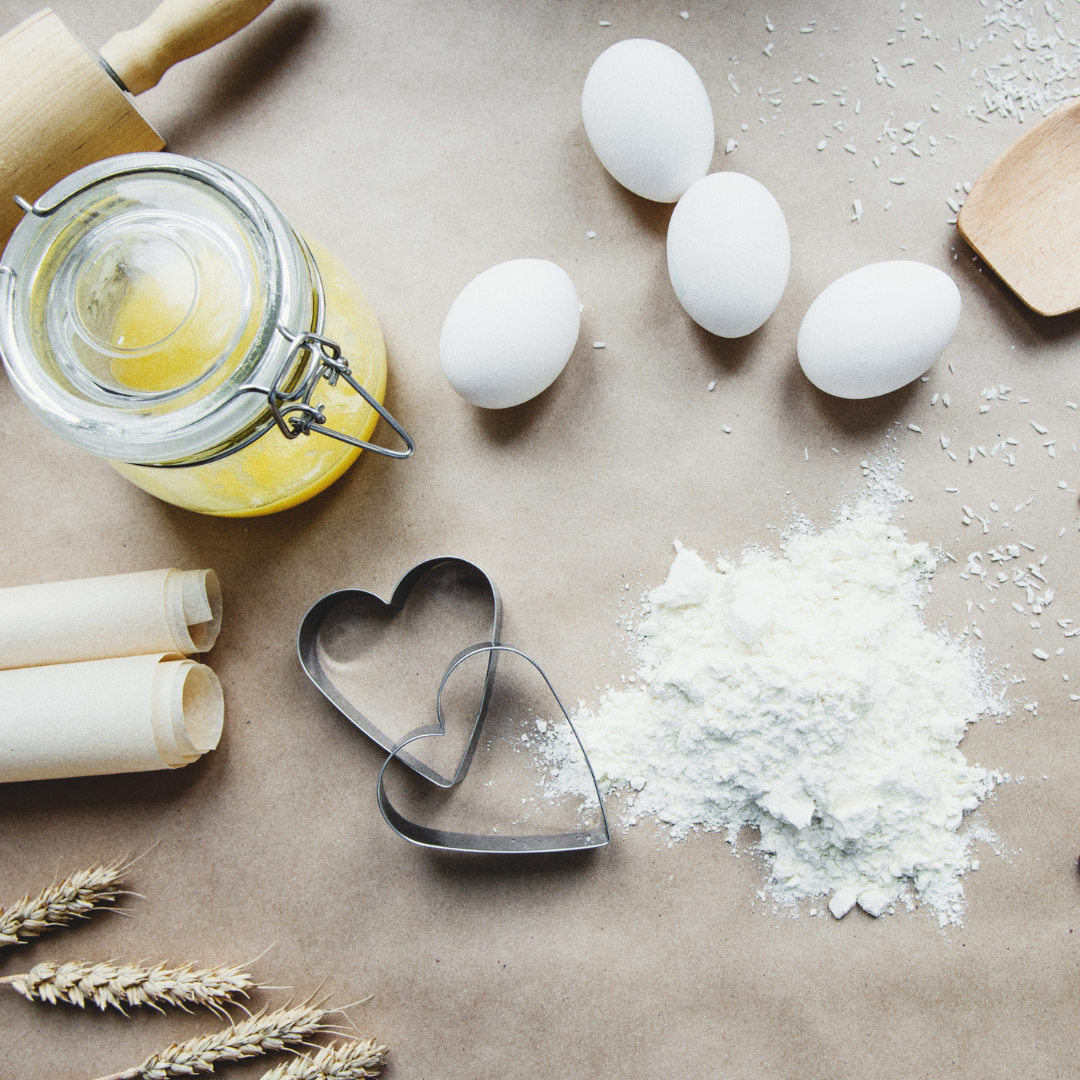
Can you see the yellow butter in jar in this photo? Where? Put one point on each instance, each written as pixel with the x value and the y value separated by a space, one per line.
pixel 160 312
pixel 275 473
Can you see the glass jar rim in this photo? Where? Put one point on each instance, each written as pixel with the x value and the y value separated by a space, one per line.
pixel 131 426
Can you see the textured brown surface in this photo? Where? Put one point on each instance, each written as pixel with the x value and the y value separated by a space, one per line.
pixel 426 142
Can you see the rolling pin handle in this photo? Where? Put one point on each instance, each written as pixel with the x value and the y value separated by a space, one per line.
pixel 175 30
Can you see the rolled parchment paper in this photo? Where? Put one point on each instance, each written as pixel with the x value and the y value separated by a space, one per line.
pixel 124 714
pixel 155 611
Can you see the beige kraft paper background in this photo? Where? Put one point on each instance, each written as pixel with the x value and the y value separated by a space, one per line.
pixel 425 142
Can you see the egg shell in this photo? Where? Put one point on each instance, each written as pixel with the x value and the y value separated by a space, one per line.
pixel 510 332
pixel 648 117
pixel 728 253
pixel 878 328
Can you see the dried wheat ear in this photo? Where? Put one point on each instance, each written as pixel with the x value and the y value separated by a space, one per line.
pixel 73 898
pixel 130 985
pixel 263 1033
pixel 123 986
pixel 343 1061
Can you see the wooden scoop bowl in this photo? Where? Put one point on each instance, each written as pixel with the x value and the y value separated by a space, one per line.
pixel 1023 214
pixel 60 109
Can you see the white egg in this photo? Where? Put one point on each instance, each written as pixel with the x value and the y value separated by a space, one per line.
pixel 878 328
pixel 728 253
pixel 648 118
pixel 510 332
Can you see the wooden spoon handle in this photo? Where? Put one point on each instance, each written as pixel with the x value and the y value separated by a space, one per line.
pixel 175 30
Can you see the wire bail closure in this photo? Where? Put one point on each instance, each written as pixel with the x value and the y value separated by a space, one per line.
pixel 293 411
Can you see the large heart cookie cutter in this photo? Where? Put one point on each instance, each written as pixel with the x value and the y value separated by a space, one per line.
pixel 499 843
pixel 423 835
pixel 307 647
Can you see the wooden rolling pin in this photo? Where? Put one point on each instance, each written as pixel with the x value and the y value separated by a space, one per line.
pixel 61 110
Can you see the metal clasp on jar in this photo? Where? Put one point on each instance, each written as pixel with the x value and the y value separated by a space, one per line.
pixel 293 411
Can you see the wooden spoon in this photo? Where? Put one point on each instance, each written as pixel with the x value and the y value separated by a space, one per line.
pixel 1023 214
pixel 61 110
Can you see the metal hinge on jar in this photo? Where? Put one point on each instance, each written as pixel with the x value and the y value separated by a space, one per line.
pixel 292 409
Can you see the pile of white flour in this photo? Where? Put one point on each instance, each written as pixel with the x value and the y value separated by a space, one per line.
pixel 803 694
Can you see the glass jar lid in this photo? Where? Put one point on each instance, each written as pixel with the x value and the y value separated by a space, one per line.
pixel 140 294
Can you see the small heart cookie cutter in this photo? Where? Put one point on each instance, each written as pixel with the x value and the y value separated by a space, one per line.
pixel 307 647
pixel 423 835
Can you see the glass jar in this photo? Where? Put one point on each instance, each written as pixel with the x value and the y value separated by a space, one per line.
pixel 160 312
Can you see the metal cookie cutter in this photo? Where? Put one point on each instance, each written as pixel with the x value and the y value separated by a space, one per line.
pixel 307 641
pixel 422 835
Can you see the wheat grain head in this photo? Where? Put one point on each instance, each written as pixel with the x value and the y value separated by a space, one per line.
pixel 345 1061
pixel 131 985
pixel 342 1061
pixel 263 1033
pixel 75 897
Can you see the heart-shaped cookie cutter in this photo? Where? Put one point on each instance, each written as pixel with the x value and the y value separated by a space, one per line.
pixel 498 843
pixel 307 647
pixel 423 835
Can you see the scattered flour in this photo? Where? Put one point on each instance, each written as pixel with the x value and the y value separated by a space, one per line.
pixel 803 694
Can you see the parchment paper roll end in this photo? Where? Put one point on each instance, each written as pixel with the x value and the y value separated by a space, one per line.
pixel 187 711
pixel 193 602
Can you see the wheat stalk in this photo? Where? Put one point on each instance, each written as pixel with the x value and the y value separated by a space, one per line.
pixel 73 898
pixel 263 1033
pixel 345 1061
pixel 130 985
